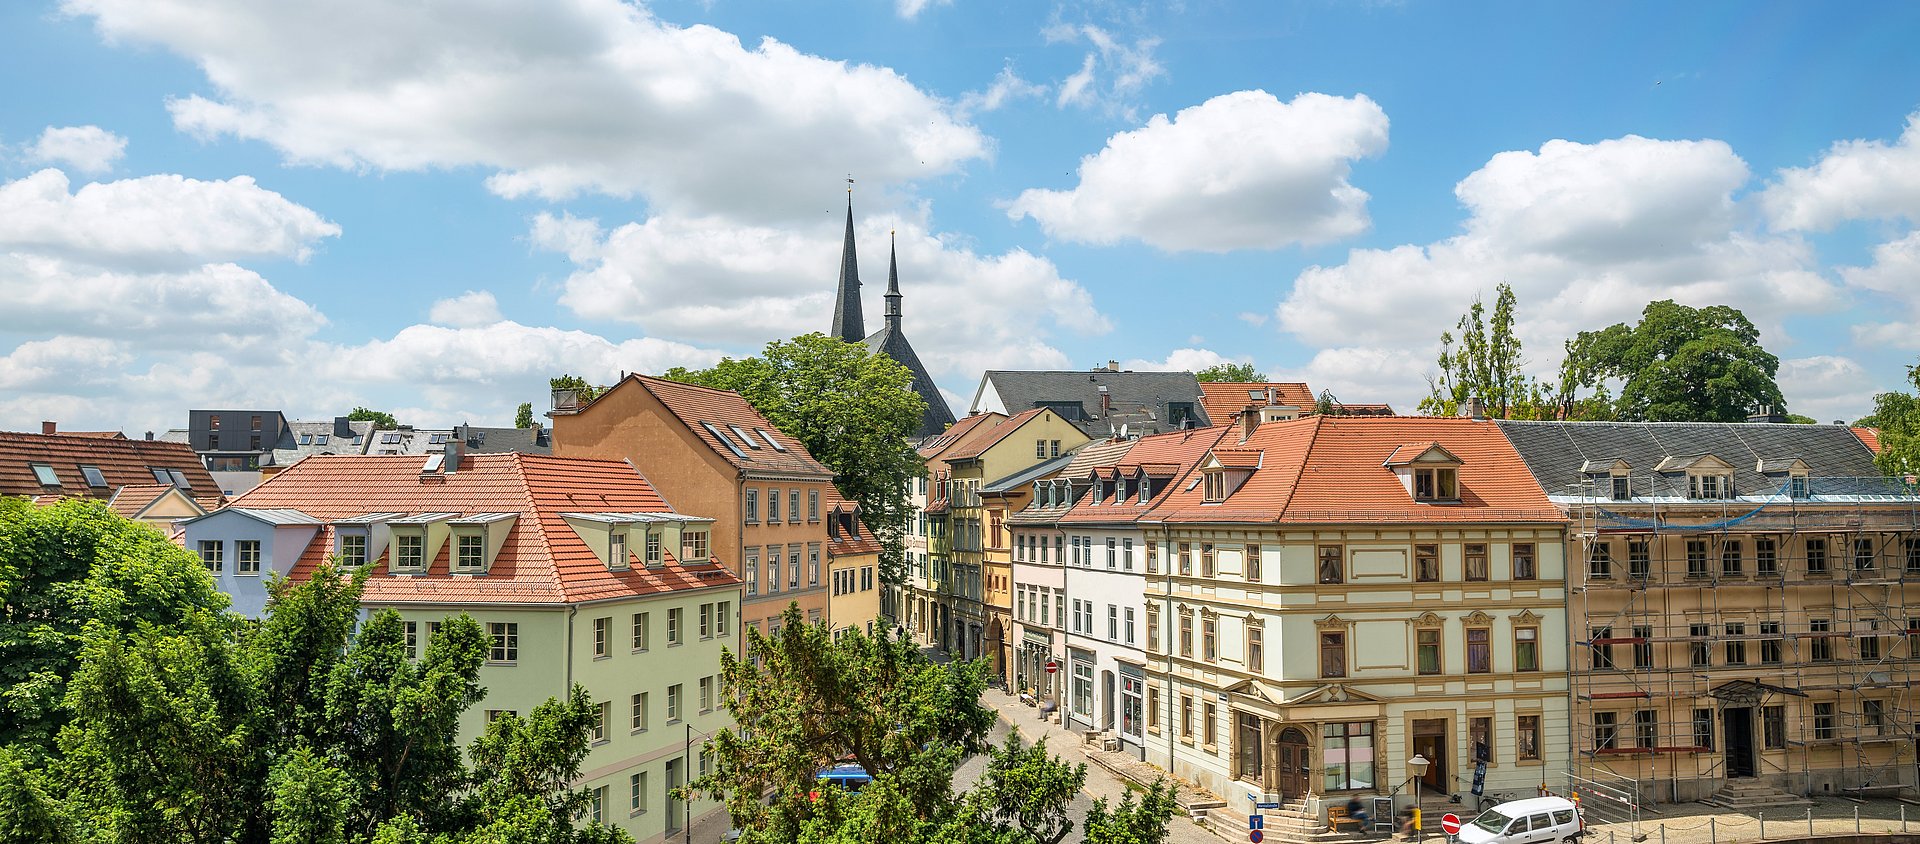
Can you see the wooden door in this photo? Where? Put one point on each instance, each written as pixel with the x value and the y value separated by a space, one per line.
pixel 1295 763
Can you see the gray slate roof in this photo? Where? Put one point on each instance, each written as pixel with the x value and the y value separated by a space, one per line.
pixel 1556 452
pixel 330 437
pixel 1140 400
pixel 892 343
pixel 1089 456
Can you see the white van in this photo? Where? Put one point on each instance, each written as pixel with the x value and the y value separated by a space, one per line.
pixel 1536 820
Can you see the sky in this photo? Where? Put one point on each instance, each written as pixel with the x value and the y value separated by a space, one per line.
pixel 431 207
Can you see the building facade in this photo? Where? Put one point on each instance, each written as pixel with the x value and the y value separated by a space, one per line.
pixel 927 609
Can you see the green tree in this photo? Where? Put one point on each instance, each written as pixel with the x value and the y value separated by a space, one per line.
pixel 523 415
pixel 1241 373
pixel 1485 365
pixel 1679 364
pixel 382 420
pixel 28 814
pixel 64 568
pixel 853 409
pixel 583 391
pixel 1896 415
pixel 522 774
pixel 1142 821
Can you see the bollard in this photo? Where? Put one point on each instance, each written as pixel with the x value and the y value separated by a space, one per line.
pixel 1713 831
pixel 1763 825
pixel 1856 819
pixel 1809 821
pixel 1663 834
pixel 1609 836
pixel 1903 818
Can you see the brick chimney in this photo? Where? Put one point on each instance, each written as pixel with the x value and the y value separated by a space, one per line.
pixel 1249 422
pixel 49 428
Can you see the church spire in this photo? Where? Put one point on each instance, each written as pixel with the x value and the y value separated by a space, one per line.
pixel 893 285
pixel 847 323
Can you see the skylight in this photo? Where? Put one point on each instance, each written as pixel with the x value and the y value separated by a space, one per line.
pixel 160 475
pixel 93 476
pixel 306 439
pixel 770 440
pixel 179 479
pixel 45 474
pixel 320 439
pixel 744 436
pixel 432 439
pixel 724 441
pixel 389 439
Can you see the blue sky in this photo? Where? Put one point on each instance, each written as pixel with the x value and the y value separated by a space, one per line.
pixel 432 208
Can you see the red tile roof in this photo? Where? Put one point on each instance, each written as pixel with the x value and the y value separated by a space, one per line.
pixel 977 445
pixel 542 561
pixel 1174 453
pixel 931 447
pixel 133 499
pixel 724 410
pixel 1329 469
pixel 122 462
pixel 1225 399
pixel 1868 436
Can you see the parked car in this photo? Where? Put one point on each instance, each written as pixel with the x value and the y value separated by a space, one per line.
pixel 1535 820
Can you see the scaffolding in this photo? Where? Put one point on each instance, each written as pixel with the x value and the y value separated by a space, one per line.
pixel 1767 636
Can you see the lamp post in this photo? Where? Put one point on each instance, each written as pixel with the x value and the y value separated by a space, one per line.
pixel 1418 765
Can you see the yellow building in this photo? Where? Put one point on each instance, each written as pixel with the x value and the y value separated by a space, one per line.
pixel 853 568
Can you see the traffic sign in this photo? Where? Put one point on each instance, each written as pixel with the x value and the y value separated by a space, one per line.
pixel 1266 805
pixel 1256 822
pixel 1256 836
pixel 1450 823
pixel 1053 667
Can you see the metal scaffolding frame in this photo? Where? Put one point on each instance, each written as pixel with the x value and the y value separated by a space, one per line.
pixel 1708 609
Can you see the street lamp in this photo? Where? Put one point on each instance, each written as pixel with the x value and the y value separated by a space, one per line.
pixel 1418 765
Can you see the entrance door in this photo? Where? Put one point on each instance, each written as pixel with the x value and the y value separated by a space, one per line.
pixel 1294 763
pixel 1430 741
pixel 1738 723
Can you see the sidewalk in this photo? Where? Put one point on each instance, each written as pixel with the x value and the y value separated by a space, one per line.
pixel 1698 823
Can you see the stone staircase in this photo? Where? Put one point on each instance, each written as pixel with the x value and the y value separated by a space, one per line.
pixel 1289 824
pixel 1752 795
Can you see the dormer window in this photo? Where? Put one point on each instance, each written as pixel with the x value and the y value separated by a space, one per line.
pixel 1215 486
pixel 470 553
pixel 409 551
pixel 1798 486
pixel 617 551
pixel 1440 483
pixel 1622 487
pixel 1709 485
pixel 693 547
pixel 653 549
pixel 353 550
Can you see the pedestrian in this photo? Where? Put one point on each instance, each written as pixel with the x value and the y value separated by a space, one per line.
pixel 1356 811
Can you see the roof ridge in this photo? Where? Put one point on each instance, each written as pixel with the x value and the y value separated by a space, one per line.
pixel 655 379
pixel 1306 454
pixel 543 548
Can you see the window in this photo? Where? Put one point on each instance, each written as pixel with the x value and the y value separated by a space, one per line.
pixel 1333 653
pixel 1643 647
pixel 1730 564
pixel 1206 560
pixel 1523 565
pixel 597 803
pixel 637 793
pixel 1153 708
pixel 1912 547
pixel 1209 720
pixel 1869 645
pixel 1709 486
pixel 1153 557
pixel 1526 649
pixel 1186 717
pixel 753 572
pixel 1348 755
pixel 1646 728
pixel 1862 554
pixel 1129 625
pixel 1873 716
pixel 813 565
pixel 470 552
pixel 210 554
pixel 1186 559
pixel 1252 564
pixel 706 694
pixel 1333 568
pixel 1113 623
pixel 641 621
pixel 1736 643
pixel 1209 639
pixel 722 616
pixel 1816 556
pixel 1216 486
pixel 1153 626
pixel 753 507
pixel 246 556
pixel 1696 558
pixel 1186 633
pixel 1820 647
pixel 506 641
pixel 1700 650
pixel 1480 739
pixel 1770 648
pixel 1823 722
pixel 92 473
pixel 793 506
pixel 673 626
pixel 637 713
pixel 1475 556
pixel 412 630
pixel 813 505
pixel 1426 563
pixel 1426 646
pixel 1797 486
pixel 318 439
pixel 1439 484
pixel 1083 688
pixel 1479 650
pixel 601 716
pixel 1605 730
pixel 1256 649
pixel 306 439
pixel 653 549
pixel 1040 448
pixel 1600 561
pixel 673 704
pixel 1766 560
pixel 1053 448
pixel 693 547
pixel 1526 738
pixel 353 550
pixel 706 621
pixel 793 567
pixel 1113 557
pixel 773 506
pixel 1773 727
pixel 409 551
pixel 1622 488
pixel 1639 559
pixel 1601 646
pixel 602 635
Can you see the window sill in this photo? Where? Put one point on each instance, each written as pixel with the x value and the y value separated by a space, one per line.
pixel 501 663
pixel 602 657
pixel 599 741
pixel 637 651
pixel 635 732
pixel 636 813
pixel 1186 741
pixel 1211 748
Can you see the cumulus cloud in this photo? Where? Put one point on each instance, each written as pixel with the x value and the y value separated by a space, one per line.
pixel 1182 360
pixel 1891 279
pixel 155 221
pixel 1112 73
pixel 471 309
pixel 1006 87
pixel 910 9
pixel 1855 180
pixel 62 363
pixel 712 280
pixel 1826 387
pixel 555 98
pixel 1586 234
pixel 220 303
pixel 504 352
pixel 1239 171
pixel 88 149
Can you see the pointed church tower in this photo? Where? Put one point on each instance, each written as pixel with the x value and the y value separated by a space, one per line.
pixel 847 323
pixel 892 342
pixel 893 286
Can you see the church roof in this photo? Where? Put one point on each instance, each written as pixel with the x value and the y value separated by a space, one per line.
pixel 847 322
pixel 889 340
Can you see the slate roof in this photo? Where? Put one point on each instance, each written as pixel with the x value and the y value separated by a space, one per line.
pixel 542 561
pixel 1224 399
pixel 1138 400
pixel 891 341
pixel 1181 450
pixel 1028 475
pixel 1323 469
pixel 305 439
pixel 122 462
pixel 847 324
pixel 486 440
pixel 1556 451
pixel 712 415
pixel 1086 459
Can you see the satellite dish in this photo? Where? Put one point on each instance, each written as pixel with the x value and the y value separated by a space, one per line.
pixel 1123 430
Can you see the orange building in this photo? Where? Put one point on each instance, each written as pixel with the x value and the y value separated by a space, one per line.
pixel 709 453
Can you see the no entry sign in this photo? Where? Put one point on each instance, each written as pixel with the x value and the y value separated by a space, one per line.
pixel 1053 667
pixel 1450 823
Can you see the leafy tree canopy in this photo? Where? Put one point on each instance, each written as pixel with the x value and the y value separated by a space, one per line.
pixel 523 415
pixel 1897 416
pixel 853 409
pixel 1239 373
pixel 1484 362
pixel 808 700
pixel 381 419
pixel 1679 364
pixel 583 391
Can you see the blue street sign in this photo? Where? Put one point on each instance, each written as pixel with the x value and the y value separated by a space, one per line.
pixel 1256 822
pixel 1266 805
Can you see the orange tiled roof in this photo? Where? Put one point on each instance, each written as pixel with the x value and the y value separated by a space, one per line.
pixel 1238 458
pixel 133 499
pixel 542 561
pixel 932 446
pixel 978 445
pixel 725 410
pixel 122 462
pixel 1868 436
pixel 1177 451
pixel 1329 469
pixel 862 540
pixel 1225 399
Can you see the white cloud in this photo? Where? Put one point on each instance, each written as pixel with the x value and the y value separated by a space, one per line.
pixel 1364 375
pixel 1892 279
pixel 556 98
pixel 1239 171
pixel 1075 90
pixel 712 280
pixel 503 353
pixel 1182 360
pixel 64 362
pixel 1006 87
pixel 910 9
pixel 155 221
pixel 198 307
pixel 1586 234
pixel 1111 73
pixel 1855 180
pixel 88 149
pixel 472 309
pixel 1826 387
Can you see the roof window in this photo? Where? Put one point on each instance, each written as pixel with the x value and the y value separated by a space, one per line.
pixel 744 436
pixel 179 479
pixel 44 473
pixel 432 439
pixel 94 477
pixel 1439 483
pixel 770 440
pixel 724 441
pixel 306 439
pixel 160 475
pixel 320 439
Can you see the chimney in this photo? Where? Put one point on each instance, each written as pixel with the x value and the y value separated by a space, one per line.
pixel 1475 408
pixel 451 461
pixel 1106 401
pixel 1766 413
pixel 342 427
pixel 1249 422
pixel 49 428
pixel 1113 366
pixel 1273 396
pixel 566 401
pixel 149 435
